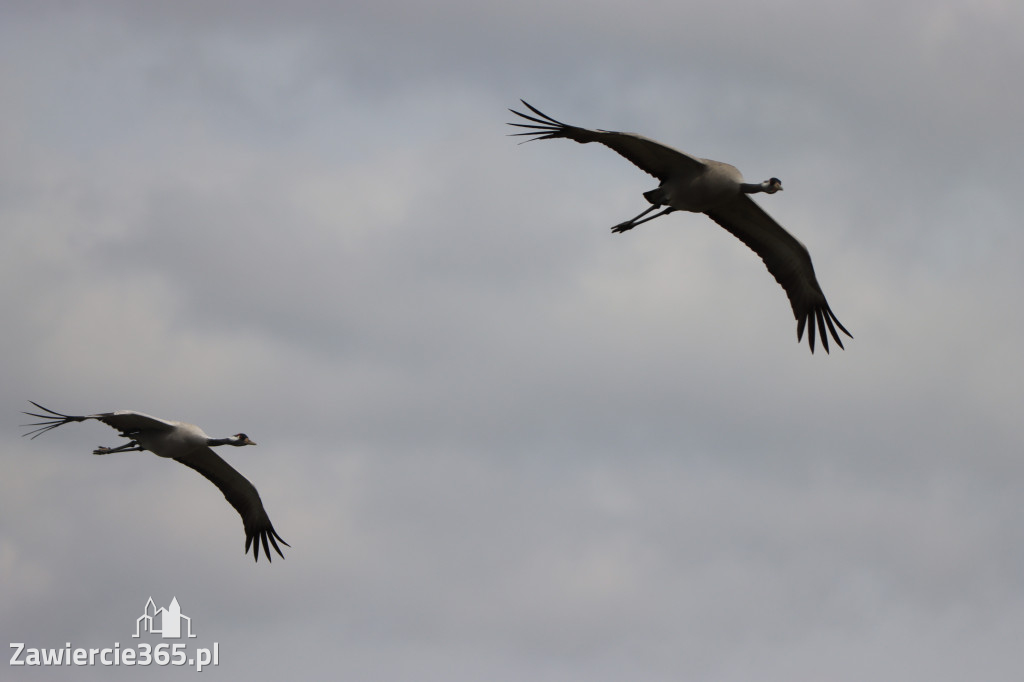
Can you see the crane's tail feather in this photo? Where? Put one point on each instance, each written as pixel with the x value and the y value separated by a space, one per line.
pixel 51 420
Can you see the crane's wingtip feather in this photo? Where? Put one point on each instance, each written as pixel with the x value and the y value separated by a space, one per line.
pixel 821 329
pixel 266 537
pixel 537 121
pixel 824 323
pixel 274 537
pixel 840 324
pixel 46 409
pixel 547 119
pixel 535 110
pixel 835 335
pixel 51 420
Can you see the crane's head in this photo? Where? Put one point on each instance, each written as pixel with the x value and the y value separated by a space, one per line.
pixel 239 439
pixel 772 185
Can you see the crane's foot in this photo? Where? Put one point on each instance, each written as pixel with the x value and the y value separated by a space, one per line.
pixel 622 227
pixel 131 446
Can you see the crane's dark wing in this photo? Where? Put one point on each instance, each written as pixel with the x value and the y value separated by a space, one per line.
pixel 128 422
pixel 243 497
pixel 125 421
pixel 788 261
pixel 650 156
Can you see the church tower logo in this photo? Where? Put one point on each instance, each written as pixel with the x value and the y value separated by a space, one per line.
pixel 165 622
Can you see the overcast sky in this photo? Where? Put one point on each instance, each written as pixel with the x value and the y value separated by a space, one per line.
pixel 504 443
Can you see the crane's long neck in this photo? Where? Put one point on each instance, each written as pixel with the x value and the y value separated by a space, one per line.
pixel 753 187
pixel 237 440
pixel 769 186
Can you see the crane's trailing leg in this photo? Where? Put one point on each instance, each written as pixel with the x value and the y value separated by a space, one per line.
pixel 630 224
pixel 131 446
pixel 652 207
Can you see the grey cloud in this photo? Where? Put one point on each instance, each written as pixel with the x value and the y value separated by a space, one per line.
pixel 503 442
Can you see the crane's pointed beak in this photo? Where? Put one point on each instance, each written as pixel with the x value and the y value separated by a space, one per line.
pixel 248 442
